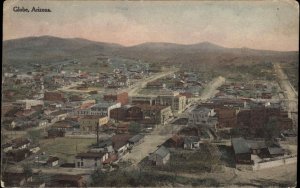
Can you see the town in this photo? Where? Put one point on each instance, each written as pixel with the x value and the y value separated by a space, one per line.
pixel 149 93
pixel 63 127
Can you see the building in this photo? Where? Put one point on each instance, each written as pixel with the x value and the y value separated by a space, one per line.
pixel 191 142
pixel 259 116
pixel 27 104
pixel 241 150
pixel 90 159
pixel 127 113
pixel 100 109
pixel 89 123
pixel 57 116
pixel 160 157
pixel 227 117
pixel 135 140
pixel 120 97
pixel 200 116
pixel 173 99
pixel 52 161
pixel 54 96
pixel 158 114
pixel 64 180
pixel 140 100
pixel 175 141
pixel 120 143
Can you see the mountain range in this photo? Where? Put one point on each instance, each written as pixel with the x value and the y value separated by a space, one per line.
pixel 47 49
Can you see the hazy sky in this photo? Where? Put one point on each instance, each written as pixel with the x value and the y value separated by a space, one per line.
pixel 272 25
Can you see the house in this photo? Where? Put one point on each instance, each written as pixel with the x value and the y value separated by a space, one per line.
pixel 57 116
pixel 160 157
pixel 89 123
pixel 52 161
pixel 20 143
pixel 175 141
pixel 64 180
pixel 120 143
pixel 7 147
pixel 135 140
pixel 119 97
pixel 241 150
pixel 191 142
pixel 90 159
pixel 34 148
pixel 11 179
pixel 104 146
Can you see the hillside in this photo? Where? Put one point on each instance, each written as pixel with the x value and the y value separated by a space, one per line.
pixel 47 49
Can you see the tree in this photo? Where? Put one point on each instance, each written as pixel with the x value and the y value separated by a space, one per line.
pixel 34 135
pixel 134 128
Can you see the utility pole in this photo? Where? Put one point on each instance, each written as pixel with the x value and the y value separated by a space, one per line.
pixel 97 133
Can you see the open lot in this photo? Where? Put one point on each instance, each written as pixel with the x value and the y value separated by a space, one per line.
pixel 65 148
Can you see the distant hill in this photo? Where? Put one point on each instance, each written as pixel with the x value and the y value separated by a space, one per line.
pixel 47 49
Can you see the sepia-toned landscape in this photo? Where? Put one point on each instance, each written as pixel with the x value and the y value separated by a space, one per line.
pixel 150 94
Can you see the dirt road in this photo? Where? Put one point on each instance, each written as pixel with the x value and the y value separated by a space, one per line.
pixel 289 92
pixel 164 132
pixel 133 90
pixel 286 174
pixel 211 88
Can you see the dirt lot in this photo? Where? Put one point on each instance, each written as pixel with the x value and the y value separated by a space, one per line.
pixel 65 148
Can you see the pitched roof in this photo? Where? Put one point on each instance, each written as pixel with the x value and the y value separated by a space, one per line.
pixel 240 146
pixel 136 138
pixel 90 155
pixel 191 139
pixel 162 151
pixel 275 150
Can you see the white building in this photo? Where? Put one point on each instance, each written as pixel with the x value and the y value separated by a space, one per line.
pixel 27 104
pixel 100 109
pixel 200 116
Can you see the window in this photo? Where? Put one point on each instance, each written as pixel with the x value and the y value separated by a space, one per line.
pixel 95 163
pixel 78 164
pixel 81 163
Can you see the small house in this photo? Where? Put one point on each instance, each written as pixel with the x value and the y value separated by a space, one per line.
pixel 191 142
pixel 52 161
pixel 137 139
pixel 160 157
pixel 90 159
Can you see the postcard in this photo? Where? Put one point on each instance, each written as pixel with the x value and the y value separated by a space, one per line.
pixel 149 93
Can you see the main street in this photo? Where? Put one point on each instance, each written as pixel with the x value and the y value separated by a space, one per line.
pixel 164 132
pixel 289 92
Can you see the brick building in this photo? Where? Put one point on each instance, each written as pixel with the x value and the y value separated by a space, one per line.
pixel 127 113
pixel 258 117
pixel 54 96
pixel 121 97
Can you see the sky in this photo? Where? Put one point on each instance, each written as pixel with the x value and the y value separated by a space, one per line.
pixel 269 25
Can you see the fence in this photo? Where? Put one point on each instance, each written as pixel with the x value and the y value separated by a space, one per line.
pixel 274 163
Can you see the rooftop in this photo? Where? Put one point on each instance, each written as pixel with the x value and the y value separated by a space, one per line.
pixel 162 151
pixel 90 155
